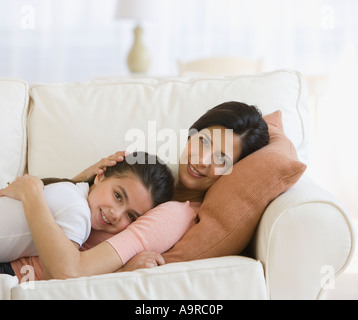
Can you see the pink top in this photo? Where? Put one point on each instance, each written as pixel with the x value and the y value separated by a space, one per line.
pixel 157 230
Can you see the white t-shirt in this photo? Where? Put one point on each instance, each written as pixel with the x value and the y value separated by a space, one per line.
pixel 68 204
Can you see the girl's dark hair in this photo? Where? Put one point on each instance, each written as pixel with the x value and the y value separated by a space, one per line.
pixel 155 175
pixel 243 119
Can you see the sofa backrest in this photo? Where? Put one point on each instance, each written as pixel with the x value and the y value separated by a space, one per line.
pixel 73 125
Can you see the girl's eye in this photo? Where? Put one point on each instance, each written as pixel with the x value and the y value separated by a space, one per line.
pixel 131 217
pixel 118 196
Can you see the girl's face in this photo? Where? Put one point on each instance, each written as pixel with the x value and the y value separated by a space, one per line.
pixel 208 155
pixel 116 202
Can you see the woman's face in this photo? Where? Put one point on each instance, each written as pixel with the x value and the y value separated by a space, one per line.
pixel 209 154
pixel 116 202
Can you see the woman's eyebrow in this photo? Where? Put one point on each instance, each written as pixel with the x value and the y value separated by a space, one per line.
pixel 209 138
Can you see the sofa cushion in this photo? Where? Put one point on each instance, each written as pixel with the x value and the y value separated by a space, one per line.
pixel 181 281
pixel 71 126
pixel 235 203
pixel 13 115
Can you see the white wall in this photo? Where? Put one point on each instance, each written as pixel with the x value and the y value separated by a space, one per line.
pixel 71 40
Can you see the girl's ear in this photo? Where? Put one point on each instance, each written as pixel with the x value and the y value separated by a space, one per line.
pixel 99 177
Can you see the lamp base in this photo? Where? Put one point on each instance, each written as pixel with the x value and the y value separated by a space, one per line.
pixel 138 58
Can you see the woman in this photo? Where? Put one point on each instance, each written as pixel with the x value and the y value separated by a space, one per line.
pixel 203 161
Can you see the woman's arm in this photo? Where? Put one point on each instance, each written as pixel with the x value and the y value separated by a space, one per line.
pixel 60 257
pixel 99 167
pixel 143 260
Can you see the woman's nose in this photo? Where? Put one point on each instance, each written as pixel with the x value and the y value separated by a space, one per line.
pixel 205 159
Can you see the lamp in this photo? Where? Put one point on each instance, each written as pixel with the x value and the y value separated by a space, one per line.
pixel 139 57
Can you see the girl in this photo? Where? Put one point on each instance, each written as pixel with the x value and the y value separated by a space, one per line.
pixel 115 199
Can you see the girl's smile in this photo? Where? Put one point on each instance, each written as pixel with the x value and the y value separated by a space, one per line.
pixel 103 219
pixel 116 202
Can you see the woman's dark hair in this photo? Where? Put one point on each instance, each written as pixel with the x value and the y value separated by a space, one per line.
pixel 155 175
pixel 243 119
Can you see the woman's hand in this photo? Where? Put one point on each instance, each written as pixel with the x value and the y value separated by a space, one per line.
pixel 143 260
pixel 22 187
pixel 100 166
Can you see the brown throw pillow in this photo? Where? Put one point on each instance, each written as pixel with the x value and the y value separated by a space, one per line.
pixel 234 204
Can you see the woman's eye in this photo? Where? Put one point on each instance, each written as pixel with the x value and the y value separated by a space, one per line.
pixel 204 141
pixel 118 196
pixel 221 160
pixel 132 217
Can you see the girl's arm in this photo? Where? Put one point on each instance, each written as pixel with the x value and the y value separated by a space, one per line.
pixel 60 257
pixel 158 230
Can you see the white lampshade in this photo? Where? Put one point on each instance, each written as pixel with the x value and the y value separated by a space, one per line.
pixel 138 9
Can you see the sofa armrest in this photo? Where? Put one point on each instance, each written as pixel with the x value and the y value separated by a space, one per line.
pixel 305 239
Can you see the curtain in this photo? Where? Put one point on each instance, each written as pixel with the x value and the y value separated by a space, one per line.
pixel 52 41
pixel 73 40
pixel 49 40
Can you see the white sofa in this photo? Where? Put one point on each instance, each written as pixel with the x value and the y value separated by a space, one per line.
pixel 304 239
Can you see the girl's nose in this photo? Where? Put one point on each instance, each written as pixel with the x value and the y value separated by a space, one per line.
pixel 116 214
